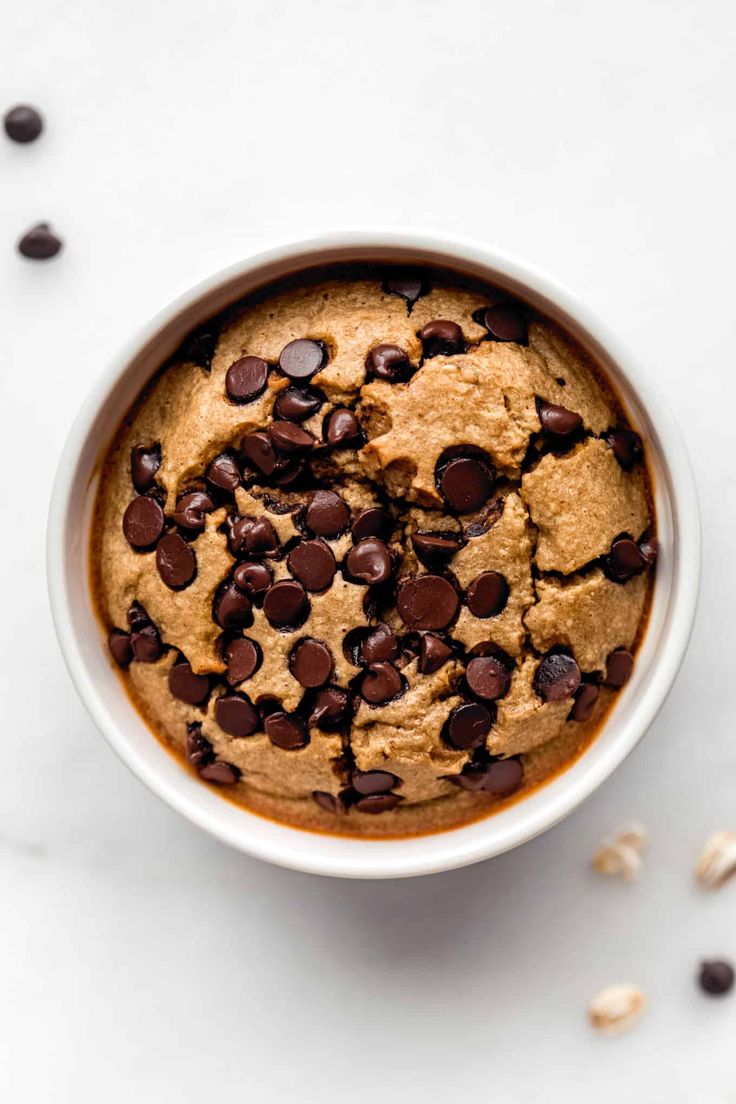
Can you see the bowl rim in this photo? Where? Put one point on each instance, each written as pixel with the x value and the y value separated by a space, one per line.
pixel 350 856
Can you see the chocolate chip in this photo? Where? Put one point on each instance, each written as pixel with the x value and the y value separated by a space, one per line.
pixel 253 578
pixel 427 602
pixel 558 423
pixel 243 658
pixel 370 561
pixel 257 449
pixel 232 608
pixel 286 604
pixel 145 643
pixel 441 338
pixel 198 748
pixel 145 460
pixel 342 429
pixel 39 243
pixel 23 123
pixel 381 683
pixel 331 803
pixel 286 730
pixel 378 803
pixel 300 359
pixel 261 538
pixel 290 439
pixel 379 646
pixel 649 548
pixel 472 777
pixel 327 515
pixel 296 404
pixel 288 471
pixel 504 777
pixel 119 644
pixel 627 447
pixel 586 696
pixel 220 772
pixel 176 561
pixel 624 560
pixel 311 663
pixel 187 686
pixel 503 322
pixel 198 346
pixel 619 666
pixel 468 726
pixel 557 677
pixel 406 285
pixel 466 484
pixel 223 473
pixel 389 363
pixel 488 677
pixel 373 522
pixel 191 511
pixel 246 379
pixel 313 564
pixel 143 522
pixel 487 595
pixel 332 708
pixel 433 654
pixel 435 549
pixel 373 782
pixel 236 715
pixel 716 977
pixel 137 616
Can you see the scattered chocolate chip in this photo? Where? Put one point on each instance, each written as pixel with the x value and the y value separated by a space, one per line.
pixel 435 549
pixel 258 451
pixel 198 346
pixel 119 644
pixel 441 338
pixel 137 616
pixel 716 977
pixel 143 522
pixel 191 511
pixel 427 602
pixel 187 686
pixel 176 561
pixel 379 646
pixel 433 654
pixel 246 379
pixel 586 696
pixel 624 560
pixel 223 473
pixel 261 538
pixel 232 607
pixel 373 782
pixel 649 548
pixel 289 438
pixel 236 715
pixel 504 777
pixel 253 578
pixel 220 772
pixel 468 726
pixel 627 447
pixel 198 748
pixel 406 285
pixel 488 677
pixel 559 424
pixel 370 561
pixel 296 404
pixel 327 515
pixel 311 663
pixel 378 803
pixel 466 484
pixel 286 604
pixel 619 666
pixel 313 564
pixel 342 429
pixel 557 677
pixel 39 243
pixel 243 658
pixel 145 643
pixel 286 730
pixel 472 777
pixel 23 123
pixel 389 363
pixel 332 708
pixel 373 522
pixel 487 595
pixel 145 460
pixel 331 803
pixel 300 359
pixel 503 322
pixel 381 683
pixel 288 471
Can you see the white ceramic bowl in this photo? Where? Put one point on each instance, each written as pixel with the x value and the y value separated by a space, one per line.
pixel 675 592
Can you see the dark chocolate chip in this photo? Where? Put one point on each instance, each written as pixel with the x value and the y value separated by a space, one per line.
pixel 288 471
pixel 199 346
pixel 253 578
pixel 342 429
pixel 488 677
pixel 137 616
pixel 466 484
pixel 145 643
pixel 373 522
pixel 191 511
pixel 433 654
pixel 261 538
pixel 176 561
pixel 379 646
pixel 406 285
pixel 427 602
pixel 504 777
pixel 627 447
pixel 258 451
pixel 441 338
pixel 39 243
pixel 557 677
pixel 145 460
pixel 286 730
pixel 296 404
pixel 286 604
pixel 119 644
pixel 23 123
pixel 331 803
pixel 289 438
pixel 313 564
pixel 370 561
pixel 198 748
pixel 649 548
pixel 504 323
pixel 300 359
pixel 243 658
pixel 232 607
pixel 487 595
pixel 435 549
pixel 332 708
pixel 619 666
pixel 373 782
pixel 472 777
pixel 468 726
pixel 558 423
pixel 246 379
pixel 143 522
pixel 223 473
pixel 389 363
pixel 327 515
pixel 381 683
pixel 311 663
pixel 624 560
pixel 378 803
pixel 220 772
pixel 586 696
pixel 236 715
pixel 187 686
pixel 716 977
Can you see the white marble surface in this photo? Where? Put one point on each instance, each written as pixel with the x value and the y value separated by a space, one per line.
pixel 142 961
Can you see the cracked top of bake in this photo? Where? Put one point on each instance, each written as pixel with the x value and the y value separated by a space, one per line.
pixel 371 540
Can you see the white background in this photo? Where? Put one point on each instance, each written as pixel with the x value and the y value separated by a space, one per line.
pixel 140 960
